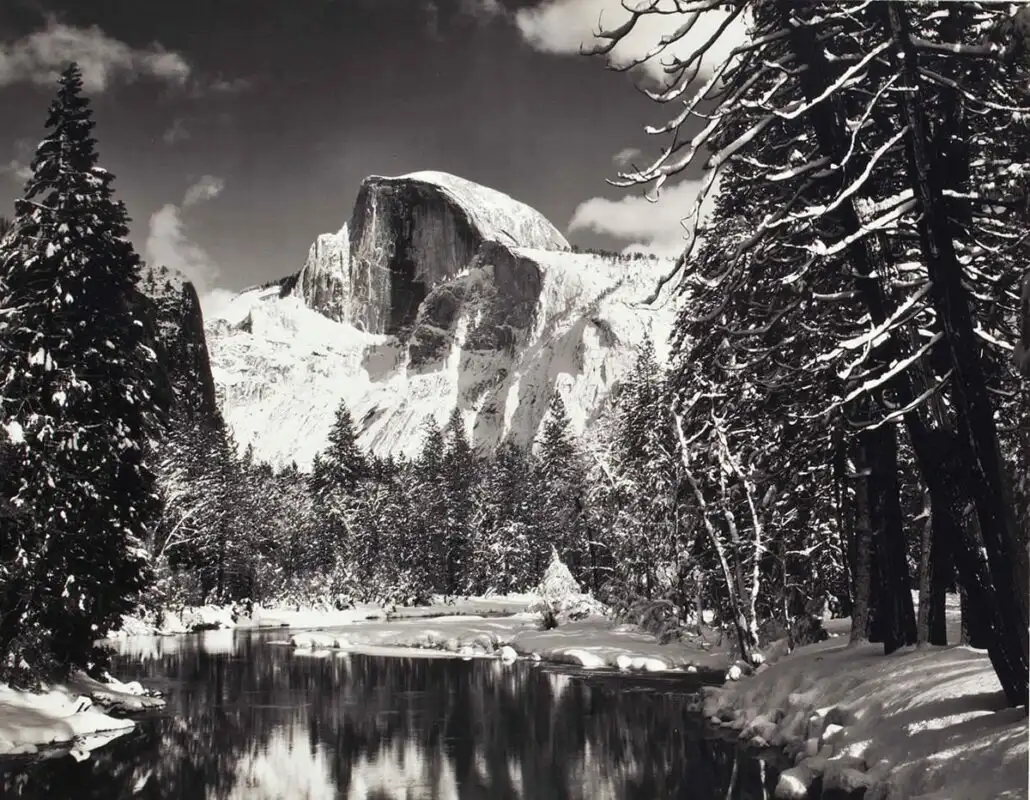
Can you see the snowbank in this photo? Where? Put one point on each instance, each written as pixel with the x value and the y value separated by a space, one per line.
pixel 468 627
pixel 917 724
pixel 591 644
pixel 69 714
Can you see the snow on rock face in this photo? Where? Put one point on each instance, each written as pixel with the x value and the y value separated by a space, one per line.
pixel 486 327
pixel 323 284
pixel 414 231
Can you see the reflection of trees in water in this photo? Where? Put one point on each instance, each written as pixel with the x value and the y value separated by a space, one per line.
pixel 430 728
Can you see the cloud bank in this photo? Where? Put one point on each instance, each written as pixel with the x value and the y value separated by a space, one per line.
pixel 645 226
pixel 568 26
pixel 168 244
pixel 39 58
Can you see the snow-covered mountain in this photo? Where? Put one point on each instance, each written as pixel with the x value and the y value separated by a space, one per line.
pixel 438 293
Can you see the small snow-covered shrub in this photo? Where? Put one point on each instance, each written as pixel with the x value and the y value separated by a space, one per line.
pixel 561 599
pixel 557 583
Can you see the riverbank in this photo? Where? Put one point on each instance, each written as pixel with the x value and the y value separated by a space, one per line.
pixel 920 723
pixel 462 627
pixel 193 619
pixel 69 717
pixel 592 643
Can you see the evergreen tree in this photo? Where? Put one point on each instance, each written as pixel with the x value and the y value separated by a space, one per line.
pixel 342 464
pixel 77 403
pixel 564 479
pixel 430 507
pixel 506 502
pixel 459 469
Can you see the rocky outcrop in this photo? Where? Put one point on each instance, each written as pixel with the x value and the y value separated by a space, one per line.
pixel 323 284
pixel 177 333
pixel 411 233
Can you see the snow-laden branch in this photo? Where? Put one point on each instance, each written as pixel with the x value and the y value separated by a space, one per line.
pixel 841 83
pixel 878 333
pixel 850 190
pixel 886 377
pixel 874 225
pixel 922 398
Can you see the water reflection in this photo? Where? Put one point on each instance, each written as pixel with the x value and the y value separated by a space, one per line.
pixel 251 720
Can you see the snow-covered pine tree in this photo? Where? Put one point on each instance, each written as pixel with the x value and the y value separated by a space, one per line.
pixel 342 464
pixel 505 543
pixel 563 478
pixel 857 170
pixel 430 507
pixel 76 404
pixel 459 469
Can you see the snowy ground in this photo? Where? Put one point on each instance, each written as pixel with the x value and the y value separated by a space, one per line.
pixel 594 643
pixel 929 724
pixel 67 718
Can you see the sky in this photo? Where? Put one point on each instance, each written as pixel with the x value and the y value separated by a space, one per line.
pixel 239 130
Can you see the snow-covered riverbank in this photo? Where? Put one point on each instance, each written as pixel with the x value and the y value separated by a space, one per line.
pixel 928 723
pixel 69 717
pixel 590 643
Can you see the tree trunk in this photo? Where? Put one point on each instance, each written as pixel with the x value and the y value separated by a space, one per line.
pixel 976 627
pixel 896 621
pixel 980 447
pixel 925 580
pixel 861 569
pixel 942 573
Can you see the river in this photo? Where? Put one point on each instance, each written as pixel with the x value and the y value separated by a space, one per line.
pixel 249 719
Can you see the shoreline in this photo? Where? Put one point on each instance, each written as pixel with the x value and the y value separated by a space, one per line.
pixel 927 723
pixel 924 723
pixel 70 717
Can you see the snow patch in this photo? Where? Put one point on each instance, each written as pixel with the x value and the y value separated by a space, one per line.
pixel 917 724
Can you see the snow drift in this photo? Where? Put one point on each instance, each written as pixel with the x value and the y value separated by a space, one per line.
pixel 439 294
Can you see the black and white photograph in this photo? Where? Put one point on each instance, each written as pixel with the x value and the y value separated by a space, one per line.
pixel 514 399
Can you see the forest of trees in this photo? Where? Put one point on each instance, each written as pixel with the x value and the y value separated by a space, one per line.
pixel 843 365
pixel 843 421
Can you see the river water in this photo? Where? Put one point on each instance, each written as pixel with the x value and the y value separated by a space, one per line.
pixel 249 719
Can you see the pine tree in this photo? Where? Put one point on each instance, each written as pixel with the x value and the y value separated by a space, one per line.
pixel 77 402
pixel 459 468
pixel 564 479
pixel 342 464
pixel 431 506
pixel 506 500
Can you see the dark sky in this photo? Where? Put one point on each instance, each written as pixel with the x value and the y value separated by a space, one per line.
pixel 291 104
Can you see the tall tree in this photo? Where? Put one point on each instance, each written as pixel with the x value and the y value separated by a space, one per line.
pixel 563 476
pixel 77 402
pixel 459 469
pixel 342 464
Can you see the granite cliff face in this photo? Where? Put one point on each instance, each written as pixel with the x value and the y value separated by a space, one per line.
pixel 177 334
pixel 448 295
pixel 323 284
pixel 410 233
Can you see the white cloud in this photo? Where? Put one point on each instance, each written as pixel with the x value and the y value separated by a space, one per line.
pixel 626 157
pixel 208 187
pixel 169 245
pixel 16 170
pixel 647 227
pixel 177 132
pixel 39 57
pixel 484 9
pixel 568 26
